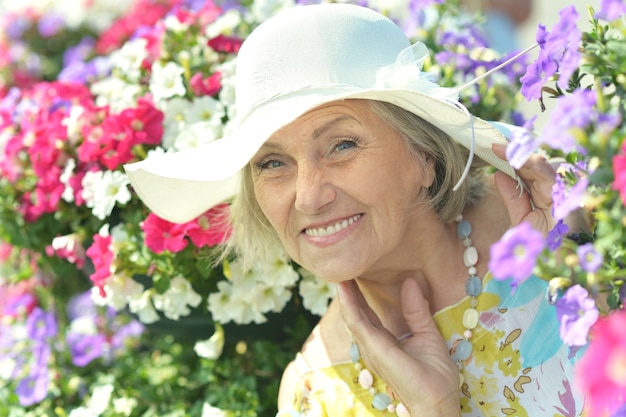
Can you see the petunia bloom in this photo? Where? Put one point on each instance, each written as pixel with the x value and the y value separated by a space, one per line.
pixel 515 255
pixel 576 313
pixel 600 374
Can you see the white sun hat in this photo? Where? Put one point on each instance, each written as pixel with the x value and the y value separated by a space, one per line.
pixel 290 64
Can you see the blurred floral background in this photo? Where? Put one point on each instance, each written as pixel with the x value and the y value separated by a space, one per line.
pixel 108 310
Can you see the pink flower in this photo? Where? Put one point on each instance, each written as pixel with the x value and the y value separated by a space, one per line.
pixel 68 247
pixel 101 255
pixel 161 235
pixel 211 228
pixel 601 373
pixel 145 122
pixel 222 43
pixel 619 171
pixel 208 86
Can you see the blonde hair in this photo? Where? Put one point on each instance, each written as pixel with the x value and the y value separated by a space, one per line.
pixel 255 241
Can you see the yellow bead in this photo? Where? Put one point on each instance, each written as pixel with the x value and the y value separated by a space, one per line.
pixel 470 318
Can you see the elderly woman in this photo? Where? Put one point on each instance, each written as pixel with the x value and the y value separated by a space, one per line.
pixel 349 160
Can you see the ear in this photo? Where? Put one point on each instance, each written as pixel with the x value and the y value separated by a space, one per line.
pixel 426 165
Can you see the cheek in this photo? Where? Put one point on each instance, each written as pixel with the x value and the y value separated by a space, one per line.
pixel 272 204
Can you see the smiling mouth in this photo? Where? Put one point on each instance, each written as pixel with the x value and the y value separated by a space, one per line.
pixel 337 227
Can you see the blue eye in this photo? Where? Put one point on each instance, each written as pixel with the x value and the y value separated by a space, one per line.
pixel 268 164
pixel 346 144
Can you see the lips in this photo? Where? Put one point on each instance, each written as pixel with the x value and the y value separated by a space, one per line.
pixel 329 230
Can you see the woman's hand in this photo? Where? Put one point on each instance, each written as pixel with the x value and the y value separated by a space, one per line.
pixel 418 369
pixel 534 203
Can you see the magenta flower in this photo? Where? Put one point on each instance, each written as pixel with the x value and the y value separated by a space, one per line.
pixel 515 255
pixel 101 255
pixel 161 235
pixel 611 9
pixel 211 228
pixel 600 373
pixel 590 260
pixel 619 171
pixel 576 313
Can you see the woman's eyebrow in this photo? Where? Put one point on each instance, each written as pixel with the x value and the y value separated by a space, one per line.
pixel 326 126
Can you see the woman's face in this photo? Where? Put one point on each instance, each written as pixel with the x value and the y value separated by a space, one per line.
pixel 340 186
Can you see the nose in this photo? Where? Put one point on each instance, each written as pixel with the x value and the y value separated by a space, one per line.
pixel 314 192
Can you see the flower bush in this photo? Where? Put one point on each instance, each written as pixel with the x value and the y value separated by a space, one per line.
pixel 108 310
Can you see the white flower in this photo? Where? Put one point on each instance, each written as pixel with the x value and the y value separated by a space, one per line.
pixel 212 347
pixel 263 9
pixel 72 123
pixel 7 366
pixel 99 401
pixel 115 93
pixel 194 135
pixel 82 412
pixel 271 298
pixel 206 109
pixel 124 405
pixel 174 119
pixel 129 58
pixel 174 302
pixel 174 25
pixel 224 24
pixel 120 290
pixel 316 294
pixel 166 81
pixel 66 175
pixel 209 411
pixel 84 325
pixel 102 190
pixel 143 308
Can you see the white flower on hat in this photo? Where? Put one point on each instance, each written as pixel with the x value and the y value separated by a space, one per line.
pixel 406 74
pixel 166 81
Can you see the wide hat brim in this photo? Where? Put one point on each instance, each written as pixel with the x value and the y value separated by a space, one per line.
pixel 180 186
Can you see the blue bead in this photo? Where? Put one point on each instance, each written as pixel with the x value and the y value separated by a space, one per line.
pixel 355 355
pixel 474 286
pixel 381 401
pixel 463 350
pixel 463 229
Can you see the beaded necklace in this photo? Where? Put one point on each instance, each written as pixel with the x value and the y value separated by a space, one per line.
pixel 462 348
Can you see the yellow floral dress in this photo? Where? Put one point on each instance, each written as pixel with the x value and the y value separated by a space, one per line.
pixel 519 366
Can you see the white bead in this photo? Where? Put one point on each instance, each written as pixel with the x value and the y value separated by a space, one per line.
pixel 470 256
pixel 401 411
pixel 472 270
pixel 366 379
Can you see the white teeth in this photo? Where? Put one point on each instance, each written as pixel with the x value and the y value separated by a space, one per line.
pixel 320 232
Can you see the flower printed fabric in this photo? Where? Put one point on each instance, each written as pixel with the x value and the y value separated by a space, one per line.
pixel 519 367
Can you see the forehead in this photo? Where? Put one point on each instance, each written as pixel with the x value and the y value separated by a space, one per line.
pixel 345 113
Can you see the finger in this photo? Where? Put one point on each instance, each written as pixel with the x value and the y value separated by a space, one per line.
pixel 356 313
pixel 516 202
pixel 415 309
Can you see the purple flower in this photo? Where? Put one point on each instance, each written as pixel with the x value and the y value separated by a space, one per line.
pixel 33 388
pixel 514 256
pixel 566 200
pixel 41 324
pixel 85 348
pixel 589 258
pixel 522 144
pixel 81 305
pixel 611 10
pixel 558 53
pixel 51 24
pixel 555 236
pixel 126 332
pixel 576 313
pixel 572 112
